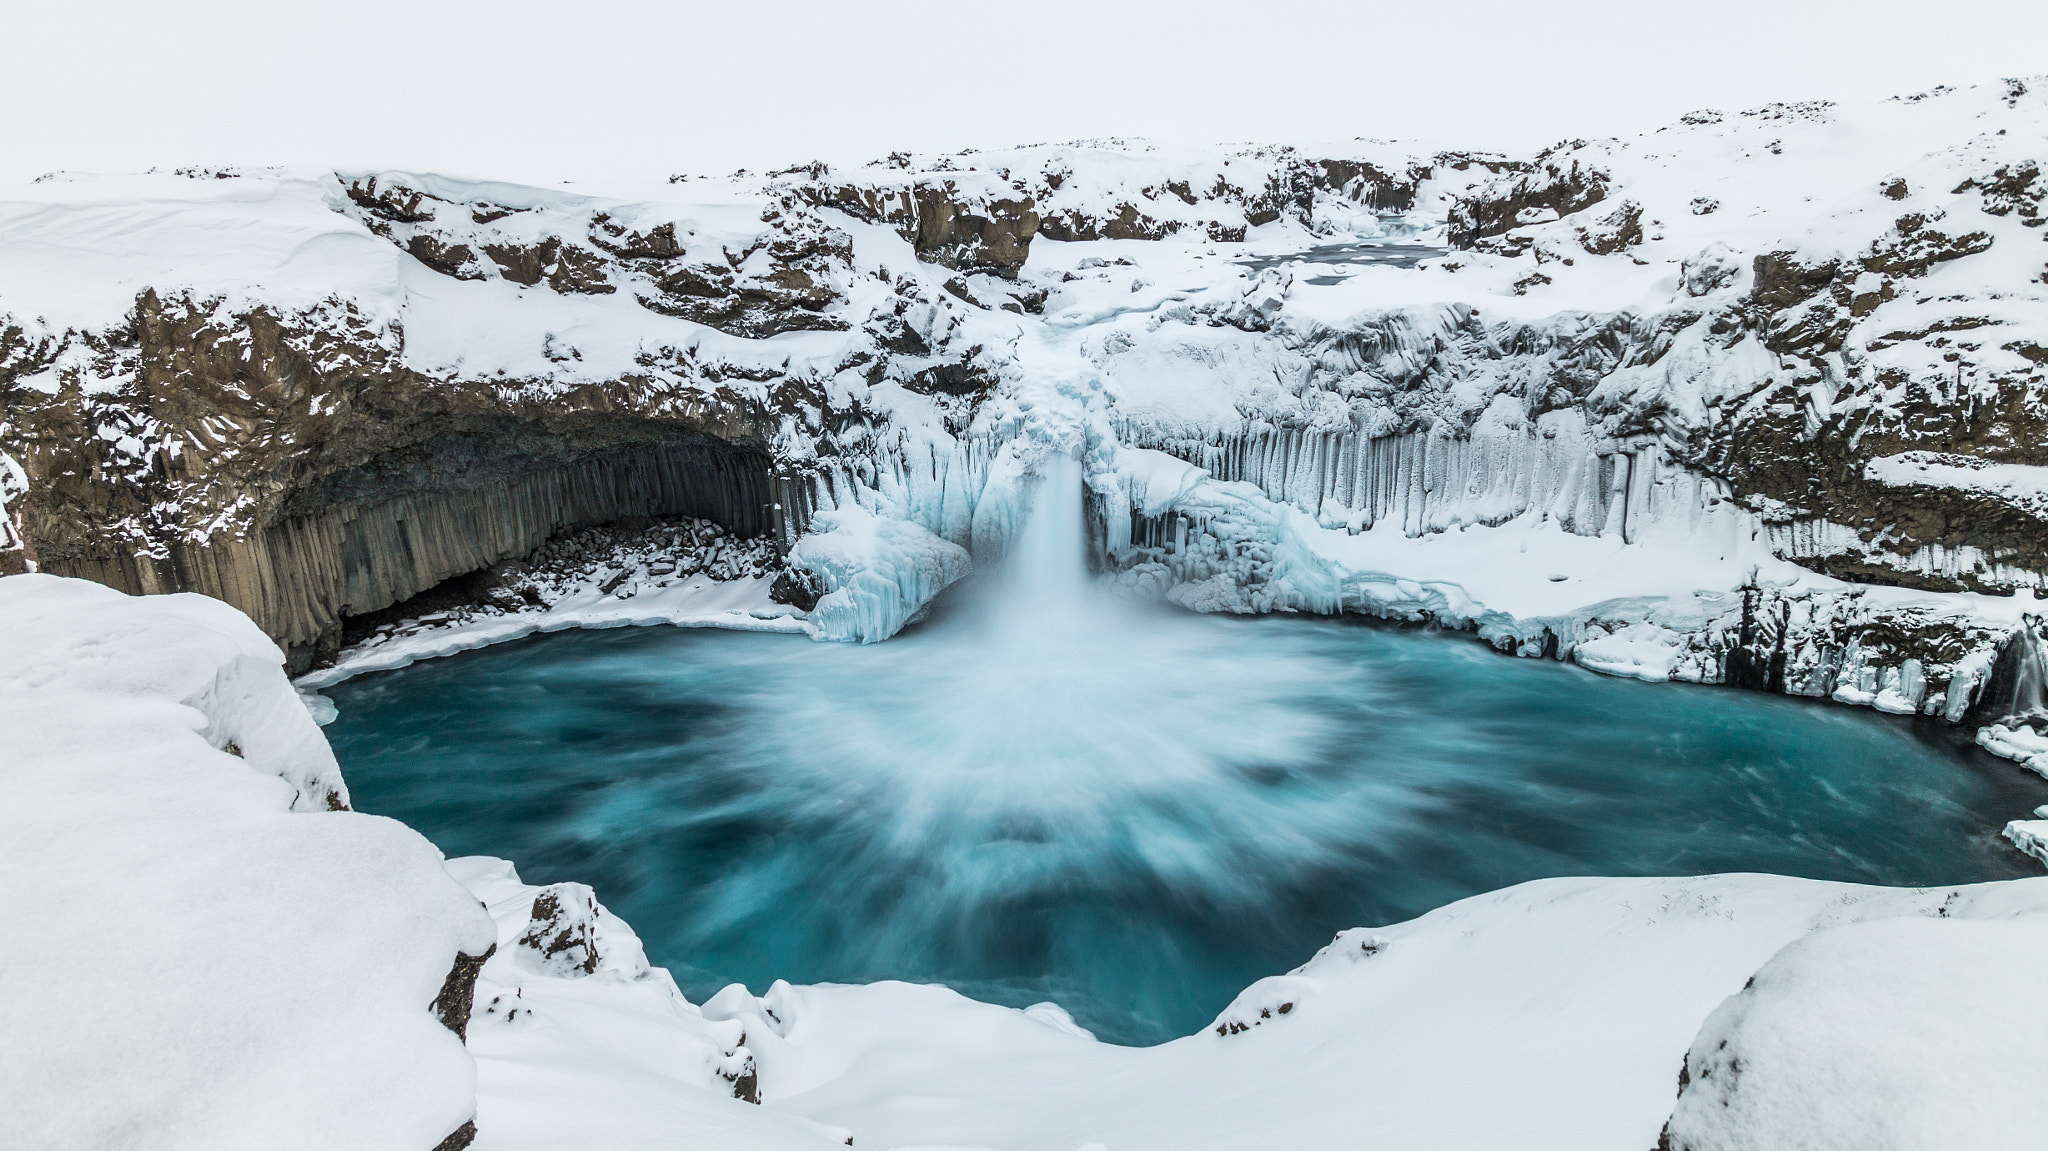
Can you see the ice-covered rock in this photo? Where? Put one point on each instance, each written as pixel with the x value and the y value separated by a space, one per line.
pixel 877 573
pixel 1639 651
pixel 2030 836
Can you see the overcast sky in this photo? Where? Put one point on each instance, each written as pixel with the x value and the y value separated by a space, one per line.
pixel 619 89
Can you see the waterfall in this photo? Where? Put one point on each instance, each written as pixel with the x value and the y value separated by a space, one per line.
pixel 2019 689
pixel 1046 574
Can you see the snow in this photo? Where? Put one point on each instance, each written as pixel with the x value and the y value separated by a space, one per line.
pixel 700 601
pixel 1307 441
pixel 1899 1034
pixel 1552 1014
pixel 615 1059
pixel 878 573
pixel 75 250
pixel 2024 486
pixel 2030 836
pixel 2019 743
pixel 1639 651
pixel 215 960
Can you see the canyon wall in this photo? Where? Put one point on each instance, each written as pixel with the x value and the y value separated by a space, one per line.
pixel 1809 374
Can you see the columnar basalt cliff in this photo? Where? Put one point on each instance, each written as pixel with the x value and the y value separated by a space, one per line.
pixel 303 473
pixel 1770 407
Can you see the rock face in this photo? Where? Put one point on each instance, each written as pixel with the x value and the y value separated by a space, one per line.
pixel 304 474
pixel 458 992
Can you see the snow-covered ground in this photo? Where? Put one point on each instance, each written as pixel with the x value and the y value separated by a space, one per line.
pixel 1555 1014
pixel 208 950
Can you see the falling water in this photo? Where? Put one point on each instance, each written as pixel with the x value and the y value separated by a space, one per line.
pixel 1047 568
pixel 2019 689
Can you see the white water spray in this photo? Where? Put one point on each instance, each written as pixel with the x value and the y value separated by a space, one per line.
pixel 2027 692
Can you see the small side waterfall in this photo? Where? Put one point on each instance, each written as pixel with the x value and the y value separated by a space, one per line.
pixel 2018 691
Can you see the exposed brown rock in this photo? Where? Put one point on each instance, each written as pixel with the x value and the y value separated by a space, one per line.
pixel 458 992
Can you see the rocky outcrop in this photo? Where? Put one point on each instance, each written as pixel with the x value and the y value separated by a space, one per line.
pixel 561 936
pixel 967 229
pixel 781 279
pixel 458 993
pixel 1554 187
pixel 303 474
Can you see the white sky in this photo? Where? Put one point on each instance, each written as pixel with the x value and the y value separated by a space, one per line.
pixel 606 90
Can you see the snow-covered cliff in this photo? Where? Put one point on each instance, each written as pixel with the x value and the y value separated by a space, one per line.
pixel 1756 398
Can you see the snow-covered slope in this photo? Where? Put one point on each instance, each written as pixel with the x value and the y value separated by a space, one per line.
pixel 1555 1014
pixel 208 949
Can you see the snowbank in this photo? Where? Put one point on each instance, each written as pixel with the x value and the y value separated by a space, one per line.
pixel 2019 743
pixel 215 959
pixel 1555 1014
pixel 615 1058
pixel 1905 1034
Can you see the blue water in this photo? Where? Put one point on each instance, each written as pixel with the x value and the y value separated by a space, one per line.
pixel 1131 815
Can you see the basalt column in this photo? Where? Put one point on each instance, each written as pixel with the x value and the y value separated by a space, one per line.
pixel 360 540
